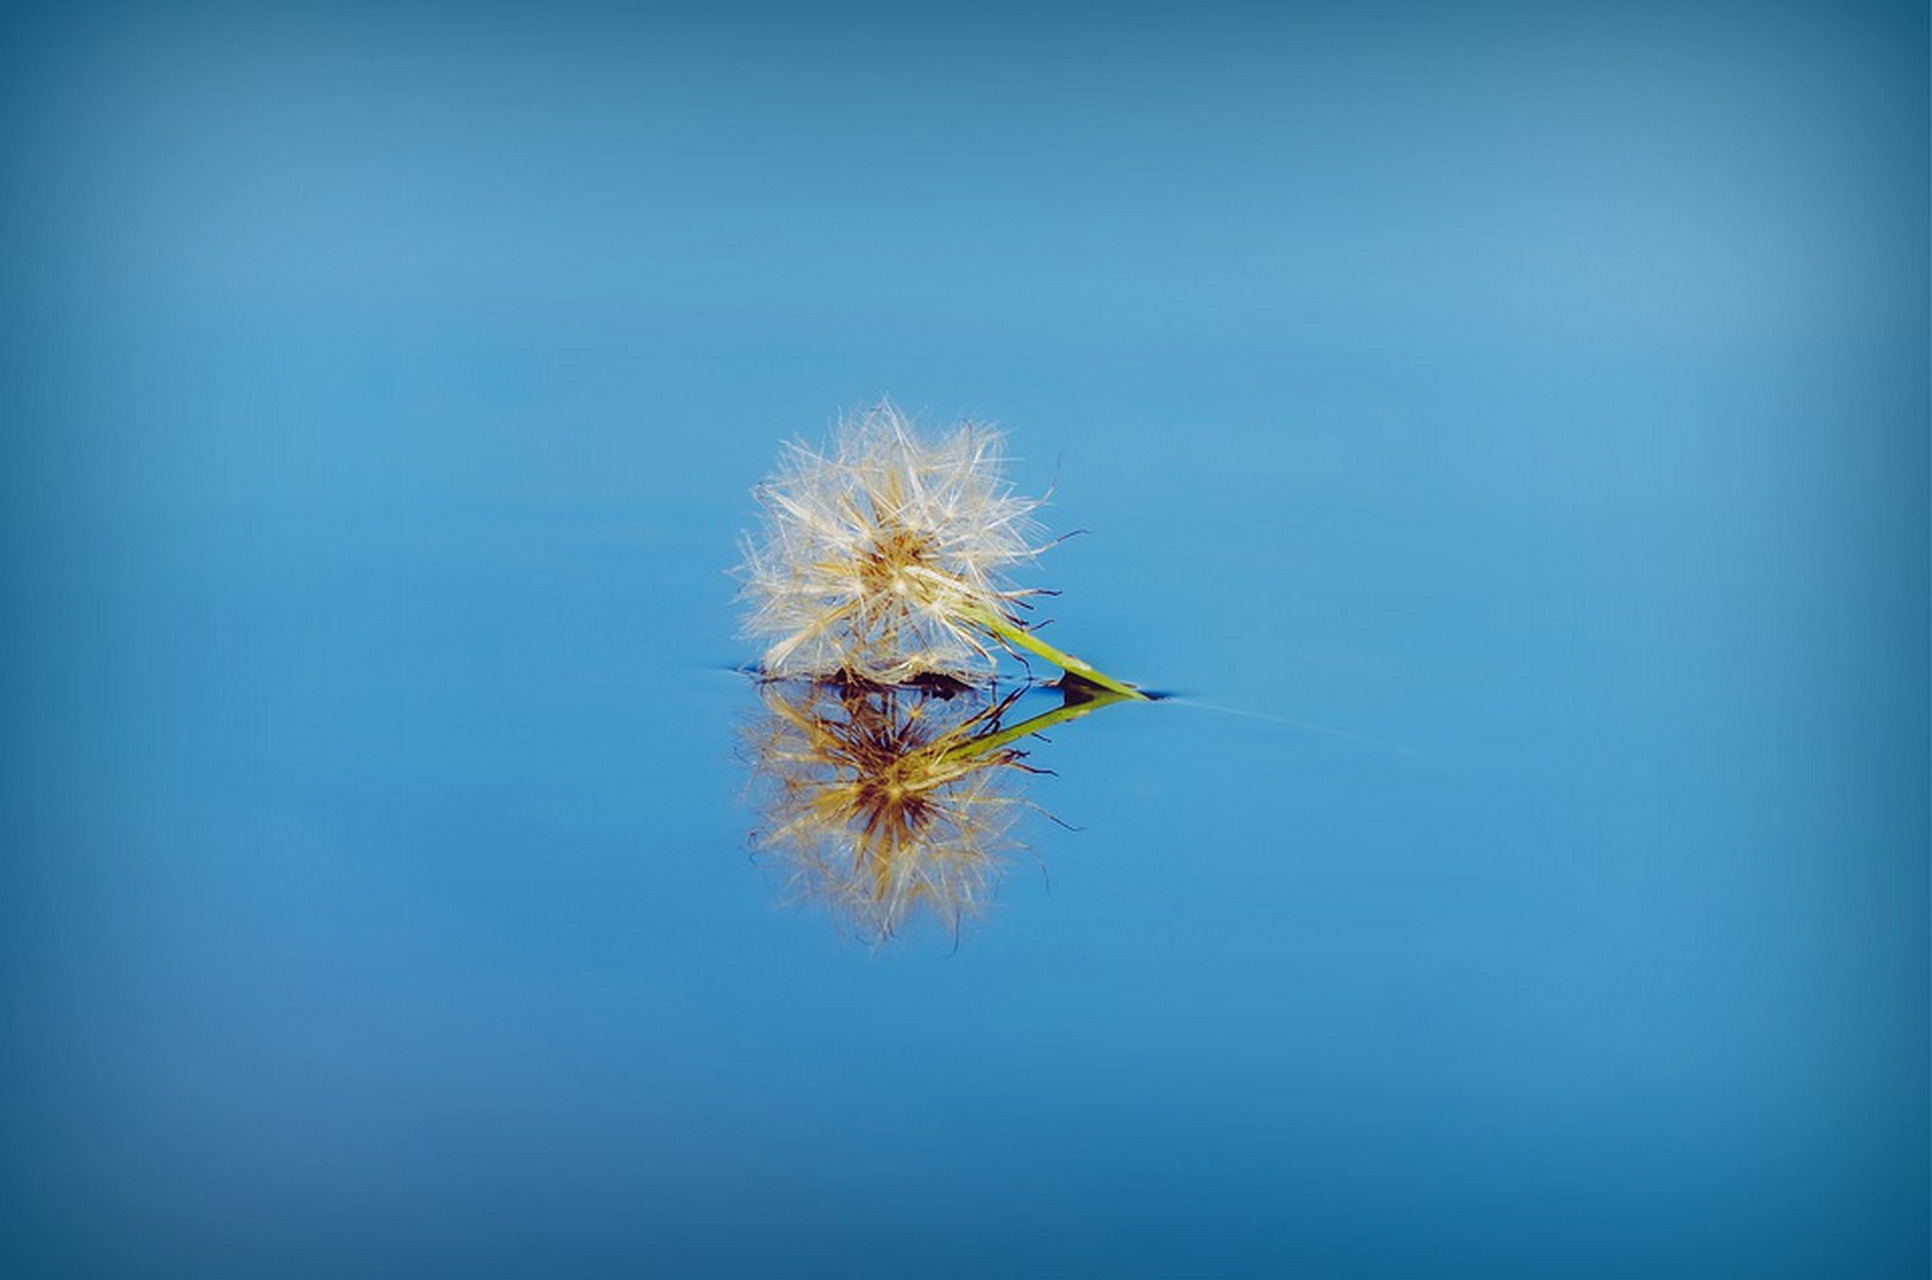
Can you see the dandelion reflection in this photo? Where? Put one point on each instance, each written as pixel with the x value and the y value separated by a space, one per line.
pixel 885 802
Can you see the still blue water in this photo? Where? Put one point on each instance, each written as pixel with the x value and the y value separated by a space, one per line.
pixel 1505 427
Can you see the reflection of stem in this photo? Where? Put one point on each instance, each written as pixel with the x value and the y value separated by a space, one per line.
pixel 1035 724
pixel 1011 632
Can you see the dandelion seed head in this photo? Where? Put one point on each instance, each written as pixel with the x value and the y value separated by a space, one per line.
pixel 877 554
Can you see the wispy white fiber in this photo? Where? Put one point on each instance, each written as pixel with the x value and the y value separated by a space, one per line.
pixel 882 557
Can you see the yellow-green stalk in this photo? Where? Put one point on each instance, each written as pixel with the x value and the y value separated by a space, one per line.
pixel 1018 636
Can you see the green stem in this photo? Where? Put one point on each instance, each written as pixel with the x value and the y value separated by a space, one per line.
pixel 1034 724
pixel 1014 634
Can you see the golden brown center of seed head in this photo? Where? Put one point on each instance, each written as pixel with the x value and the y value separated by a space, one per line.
pixel 895 550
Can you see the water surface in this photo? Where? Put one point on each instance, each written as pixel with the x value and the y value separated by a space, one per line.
pixel 1506 430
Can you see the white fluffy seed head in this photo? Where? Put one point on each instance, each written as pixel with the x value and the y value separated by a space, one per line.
pixel 877 555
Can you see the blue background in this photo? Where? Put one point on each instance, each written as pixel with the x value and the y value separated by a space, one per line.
pixel 1527 401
